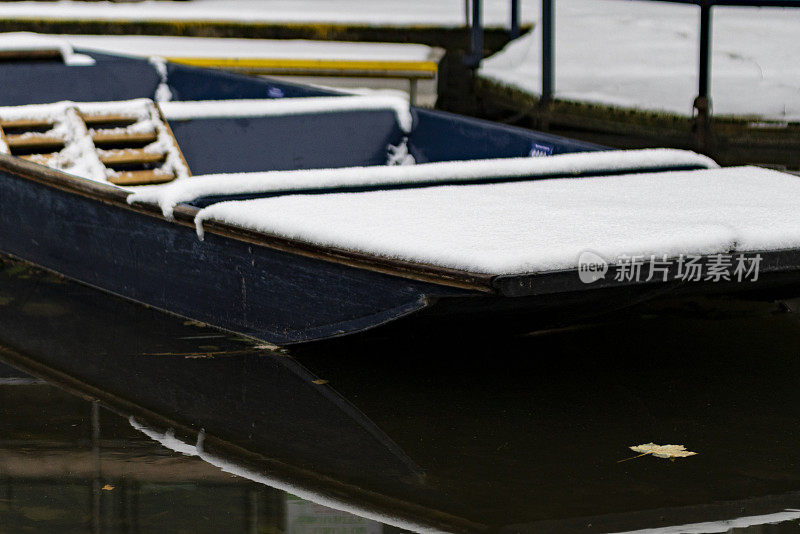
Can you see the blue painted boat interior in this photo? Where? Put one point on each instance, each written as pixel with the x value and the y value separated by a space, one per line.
pixel 310 141
pixel 342 139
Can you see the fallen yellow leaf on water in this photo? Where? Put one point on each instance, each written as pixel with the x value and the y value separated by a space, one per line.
pixel 107 487
pixel 320 381
pixel 660 451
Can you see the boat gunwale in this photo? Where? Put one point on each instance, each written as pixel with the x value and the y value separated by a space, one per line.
pixel 184 215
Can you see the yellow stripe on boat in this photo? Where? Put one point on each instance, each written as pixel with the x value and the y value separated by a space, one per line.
pixel 270 65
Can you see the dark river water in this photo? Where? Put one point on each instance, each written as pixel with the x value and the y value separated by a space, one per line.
pixel 119 418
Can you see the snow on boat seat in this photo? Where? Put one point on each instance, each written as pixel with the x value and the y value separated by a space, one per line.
pixel 262 183
pixel 27 46
pixel 233 135
pixel 288 133
pixel 123 143
pixel 544 225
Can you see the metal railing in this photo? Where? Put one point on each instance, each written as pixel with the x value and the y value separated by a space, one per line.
pixel 474 19
pixel 702 101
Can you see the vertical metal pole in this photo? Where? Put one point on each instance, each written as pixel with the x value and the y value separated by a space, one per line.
pixel 702 104
pixel 514 33
pixel 477 33
pixel 547 50
pixel 705 50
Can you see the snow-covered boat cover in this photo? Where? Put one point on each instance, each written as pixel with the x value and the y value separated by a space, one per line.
pixel 600 162
pixel 541 225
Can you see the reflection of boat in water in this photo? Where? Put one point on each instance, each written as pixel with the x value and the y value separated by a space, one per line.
pixel 311 229
pixel 257 406
pixel 520 437
pixel 57 449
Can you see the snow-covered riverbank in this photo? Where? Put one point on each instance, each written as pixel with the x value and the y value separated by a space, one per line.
pixel 644 55
pixel 625 53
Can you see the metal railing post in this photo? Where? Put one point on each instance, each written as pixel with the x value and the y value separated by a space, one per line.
pixel 547 50
pixel 702 104
pixel 476 36
pixel 705 50
pixel 514 32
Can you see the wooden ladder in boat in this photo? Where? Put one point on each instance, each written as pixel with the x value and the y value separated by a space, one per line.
pixel 131 148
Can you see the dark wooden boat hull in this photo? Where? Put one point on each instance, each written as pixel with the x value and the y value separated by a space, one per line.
pixel 258 291
pixel 287 297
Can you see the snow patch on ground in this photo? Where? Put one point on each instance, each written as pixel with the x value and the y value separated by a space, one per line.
pixel 544 225
pixel 644 55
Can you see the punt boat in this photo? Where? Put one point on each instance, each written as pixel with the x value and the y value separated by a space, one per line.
pixel 294 214
pixel 420 464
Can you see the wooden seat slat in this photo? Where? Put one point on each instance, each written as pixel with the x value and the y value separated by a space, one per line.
pixel 155 176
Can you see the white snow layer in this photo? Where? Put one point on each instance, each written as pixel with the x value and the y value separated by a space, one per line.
pixel 30 42
pixel 447 13
pixel 542 225
pixel 208 47
pixel 163 92
pixel 167 196
pixel 641 55
pixel 168 440
pixel 644 55
pixel 79 156
pixel 208 109
pixel 136 107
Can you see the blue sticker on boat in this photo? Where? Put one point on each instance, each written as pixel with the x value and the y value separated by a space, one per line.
pixel 539 150
pixel 275 92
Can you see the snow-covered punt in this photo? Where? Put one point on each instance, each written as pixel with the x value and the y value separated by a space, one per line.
pixel 293 214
